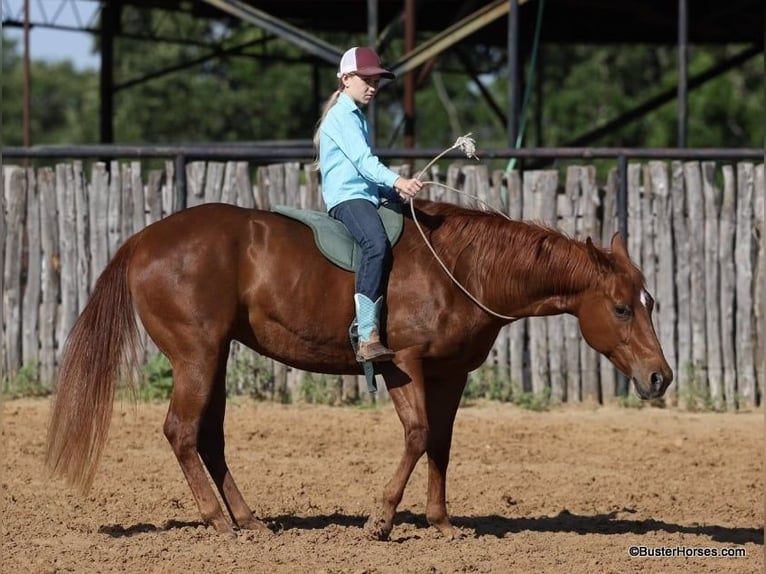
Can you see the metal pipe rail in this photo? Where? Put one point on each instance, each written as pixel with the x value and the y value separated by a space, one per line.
pixel 278 152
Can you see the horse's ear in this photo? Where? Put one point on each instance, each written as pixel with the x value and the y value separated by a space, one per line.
pixel 618 246
pixel 599 258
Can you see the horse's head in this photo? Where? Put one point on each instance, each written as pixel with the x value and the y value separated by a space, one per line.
pixel 615 317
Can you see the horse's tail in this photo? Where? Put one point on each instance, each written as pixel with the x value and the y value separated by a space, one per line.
pixel 100 350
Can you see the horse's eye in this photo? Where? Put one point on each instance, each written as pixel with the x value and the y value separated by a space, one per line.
pixel 623 311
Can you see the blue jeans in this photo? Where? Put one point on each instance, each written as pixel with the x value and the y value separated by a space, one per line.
pixel 363 223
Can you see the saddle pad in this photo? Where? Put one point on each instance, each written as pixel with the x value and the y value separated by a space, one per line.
pixel 333 239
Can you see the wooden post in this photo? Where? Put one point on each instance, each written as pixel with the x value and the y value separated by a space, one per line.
pixel 3 191
pixel 99 213
pixel 65 195
pixel 681 241
pixel 216 172
pixel 82 226
pixel 665 311
pixel 291 195
pixel 554 326
pixel 262 195
pixel 276 184
pixel 648 233
pixel 712 295
pixel 49 272
pixel 728 224
pixel 311 196
pixel 743 263
pixel 760 282
pixel 195 183
pixel 244 186
pixel 16 202
pixel 114 205
pixel 154 196
pixel 453 176
pixel 229 193
pixel 169 189
pixel 139 197
pixel 30 322
pixel 126 199
pixel 635 209
pixel 697 303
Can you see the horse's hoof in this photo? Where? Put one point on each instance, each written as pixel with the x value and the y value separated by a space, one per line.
pixel 452 533
pixel 223 528
pixel 252 523
pixel 377 528
pixel 448 531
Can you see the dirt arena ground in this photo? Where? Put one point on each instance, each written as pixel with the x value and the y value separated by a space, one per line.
pixel 570 490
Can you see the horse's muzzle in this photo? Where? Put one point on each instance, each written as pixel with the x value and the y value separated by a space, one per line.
pixel 658 384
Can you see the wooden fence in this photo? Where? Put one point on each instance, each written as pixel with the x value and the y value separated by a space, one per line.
pixel 696 230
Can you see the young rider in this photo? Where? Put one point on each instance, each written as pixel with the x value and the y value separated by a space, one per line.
pixel 353 182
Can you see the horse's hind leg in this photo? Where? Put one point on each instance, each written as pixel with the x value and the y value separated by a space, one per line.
pixel 442 404
pixel 193 390
pixel 211 445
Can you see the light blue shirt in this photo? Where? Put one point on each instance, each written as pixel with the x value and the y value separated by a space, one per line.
pixel 349 169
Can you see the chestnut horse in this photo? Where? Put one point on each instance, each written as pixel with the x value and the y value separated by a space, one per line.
pixel 215 273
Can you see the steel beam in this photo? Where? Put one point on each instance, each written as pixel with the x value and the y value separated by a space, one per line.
pixel 512 125
pixel 372 40
pixel 266 152
pixel 408 103
pixel 452 35
pixel 110 23
pixel 280 28
pixel 683 72
pixel 216 53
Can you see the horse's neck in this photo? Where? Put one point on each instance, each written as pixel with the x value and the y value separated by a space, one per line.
pixel 524 283
pixel 515 269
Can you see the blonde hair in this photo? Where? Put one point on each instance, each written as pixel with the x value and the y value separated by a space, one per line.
pixel 327 105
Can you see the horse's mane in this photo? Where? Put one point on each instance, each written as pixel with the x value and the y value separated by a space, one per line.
pixel 515 246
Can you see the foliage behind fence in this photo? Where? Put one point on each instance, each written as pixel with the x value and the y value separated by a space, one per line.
pixel 696 230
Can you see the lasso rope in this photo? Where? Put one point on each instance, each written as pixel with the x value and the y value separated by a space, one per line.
pixel 467 144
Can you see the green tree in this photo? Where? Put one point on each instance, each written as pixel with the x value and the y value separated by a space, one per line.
pixel 240 97
pixel 63 101
pixel 585 87
pixel 265 91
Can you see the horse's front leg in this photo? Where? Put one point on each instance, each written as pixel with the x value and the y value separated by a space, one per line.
pixel 404 380
pixel 443 400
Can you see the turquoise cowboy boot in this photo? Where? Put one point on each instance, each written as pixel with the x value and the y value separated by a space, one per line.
pixel 368 317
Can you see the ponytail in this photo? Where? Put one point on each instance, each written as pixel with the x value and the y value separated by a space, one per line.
pixel 328 104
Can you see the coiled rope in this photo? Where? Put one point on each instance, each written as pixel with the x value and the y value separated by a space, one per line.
pixel 467 144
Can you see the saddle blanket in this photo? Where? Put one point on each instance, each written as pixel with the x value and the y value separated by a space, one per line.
pixel 333 239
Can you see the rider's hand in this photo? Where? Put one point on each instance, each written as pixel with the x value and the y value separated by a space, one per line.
pixel 407 188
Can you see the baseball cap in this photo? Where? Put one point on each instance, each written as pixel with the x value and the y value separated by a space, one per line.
pixel 363 62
